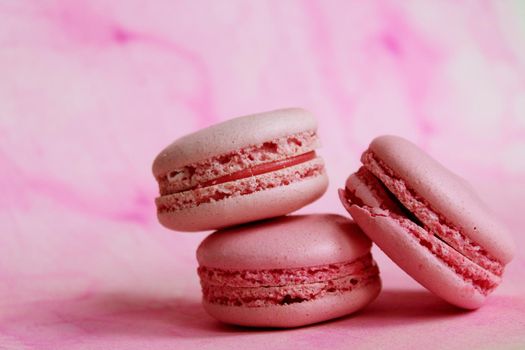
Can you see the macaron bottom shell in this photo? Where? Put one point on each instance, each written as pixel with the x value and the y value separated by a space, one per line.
pixel 328 307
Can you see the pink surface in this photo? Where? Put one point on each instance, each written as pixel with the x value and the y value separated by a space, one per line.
pixel 91 91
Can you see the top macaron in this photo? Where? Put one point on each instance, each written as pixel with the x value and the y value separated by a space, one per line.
pixel 245 169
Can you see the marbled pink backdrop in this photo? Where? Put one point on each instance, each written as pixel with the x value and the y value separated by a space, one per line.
pixel 90 91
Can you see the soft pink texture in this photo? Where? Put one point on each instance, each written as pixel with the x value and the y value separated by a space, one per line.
pixel 294 241
pixel 90 91
pixel 237 209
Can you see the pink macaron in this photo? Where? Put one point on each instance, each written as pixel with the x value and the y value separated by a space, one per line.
pixel 287 272
pixel 429 221
pixel 245 169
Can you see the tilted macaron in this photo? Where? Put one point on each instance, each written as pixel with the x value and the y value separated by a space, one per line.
pixel 249 168
pixel 429 221
pixel 287 272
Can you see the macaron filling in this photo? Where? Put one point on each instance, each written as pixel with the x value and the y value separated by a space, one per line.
pixel 252 160
pixel 373 196
pixel 280 162
pixel 261 169
pixel 261 288
pixel 244 186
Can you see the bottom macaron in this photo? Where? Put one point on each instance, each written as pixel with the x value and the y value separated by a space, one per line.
pixel 287 272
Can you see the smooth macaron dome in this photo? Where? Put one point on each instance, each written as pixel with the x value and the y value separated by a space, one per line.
pixel 287 272
pixel 248 168
pixel 429 221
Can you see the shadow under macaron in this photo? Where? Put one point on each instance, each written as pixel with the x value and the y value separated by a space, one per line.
pixel 400 306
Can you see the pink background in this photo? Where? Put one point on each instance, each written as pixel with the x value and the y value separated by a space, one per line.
pixel 90 91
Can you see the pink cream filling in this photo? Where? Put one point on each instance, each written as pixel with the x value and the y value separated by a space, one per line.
pixel 431 219
pixel 211 170
pixel 240 187
pixel 378 195
pixel 259 288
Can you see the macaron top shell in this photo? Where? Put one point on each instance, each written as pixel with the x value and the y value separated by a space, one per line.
pixel 285 242
pixel 446 193
pixel 231 135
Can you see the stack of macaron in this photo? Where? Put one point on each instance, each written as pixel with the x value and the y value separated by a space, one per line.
pixel 265 268
pixel 262 268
